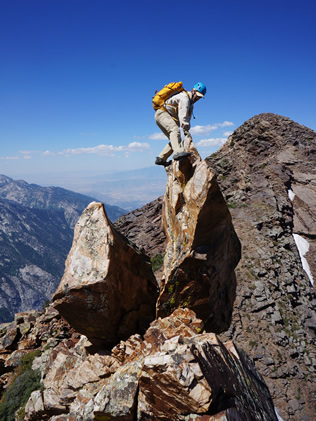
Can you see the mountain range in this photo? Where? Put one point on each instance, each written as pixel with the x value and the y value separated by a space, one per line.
pixel 126 189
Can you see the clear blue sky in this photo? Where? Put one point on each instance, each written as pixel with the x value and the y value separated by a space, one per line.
pixel 77 77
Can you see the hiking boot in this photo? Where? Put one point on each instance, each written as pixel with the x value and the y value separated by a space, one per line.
pixel 181 155
pixel 160 161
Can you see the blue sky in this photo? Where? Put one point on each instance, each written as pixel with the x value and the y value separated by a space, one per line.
pixel 77 77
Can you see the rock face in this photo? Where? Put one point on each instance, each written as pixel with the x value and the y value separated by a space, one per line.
pixel 267 172
pixel 173 372
pixel 108 290
pixel 143 227
pixel 202 248
pixel 198 376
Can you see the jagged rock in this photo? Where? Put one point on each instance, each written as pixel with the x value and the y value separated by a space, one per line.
pixel 202 247
pixel 261 163
pixel 172 373
pixel 117 399
pixel 10 339
pixel 43 405
pixel 108 291
pixel 274 318
pixel 201 375
pixel 267 172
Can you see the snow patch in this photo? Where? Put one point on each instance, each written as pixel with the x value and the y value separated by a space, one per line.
pixel 303 247
pixel 291 194
pixel 277 414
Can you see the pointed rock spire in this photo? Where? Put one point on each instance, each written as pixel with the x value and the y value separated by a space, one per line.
pixel 202 247
pixel 108 291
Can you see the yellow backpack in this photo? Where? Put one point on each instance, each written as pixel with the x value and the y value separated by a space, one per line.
pixel 165 93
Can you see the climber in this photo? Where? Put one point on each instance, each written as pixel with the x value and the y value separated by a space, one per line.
pixel 175 113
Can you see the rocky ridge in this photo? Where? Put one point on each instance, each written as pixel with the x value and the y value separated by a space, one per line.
pixel 266 159
pixel 172 372
pixel 176 370
pixel 263 161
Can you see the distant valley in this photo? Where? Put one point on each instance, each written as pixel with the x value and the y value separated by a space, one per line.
pixel 129 189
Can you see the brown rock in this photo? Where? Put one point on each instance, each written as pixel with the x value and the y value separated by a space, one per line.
pixel 201 375
pixel 10 340
pixel 173 373
pixel 108 290
pixel 43 405
pixel 202 247
pixel 275 305
pixel 267 173
pixel 143 227
pixel 117 398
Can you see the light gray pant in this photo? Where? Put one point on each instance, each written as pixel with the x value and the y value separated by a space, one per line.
pixel 171 129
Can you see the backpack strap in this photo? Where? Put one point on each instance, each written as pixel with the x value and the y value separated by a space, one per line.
pixel 175 106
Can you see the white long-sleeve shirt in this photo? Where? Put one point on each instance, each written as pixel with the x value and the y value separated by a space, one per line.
pixel 180 107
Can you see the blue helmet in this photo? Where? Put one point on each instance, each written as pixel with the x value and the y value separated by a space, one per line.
pixel 200 87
